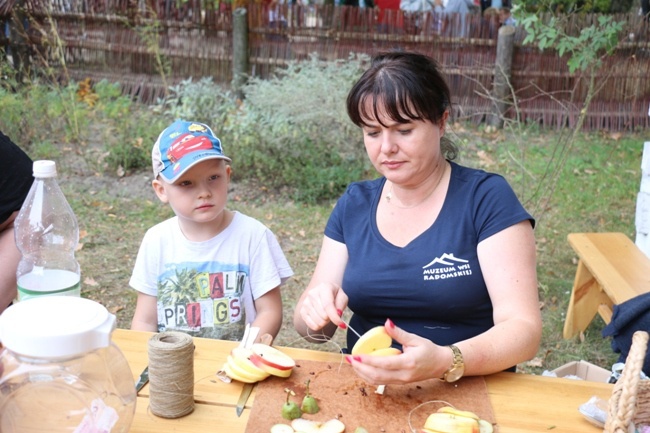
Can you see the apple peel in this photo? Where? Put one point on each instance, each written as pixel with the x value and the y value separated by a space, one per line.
pixel 272 360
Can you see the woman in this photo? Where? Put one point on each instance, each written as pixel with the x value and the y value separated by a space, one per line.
pixel 441 255
pixel 15 182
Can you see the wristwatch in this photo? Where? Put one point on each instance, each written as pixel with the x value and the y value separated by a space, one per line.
pixel 457 368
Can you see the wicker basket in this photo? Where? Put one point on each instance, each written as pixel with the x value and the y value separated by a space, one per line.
pixel 630 401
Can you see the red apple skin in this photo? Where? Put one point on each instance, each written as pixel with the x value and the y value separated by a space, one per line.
pixel 269 367
pixel 267 353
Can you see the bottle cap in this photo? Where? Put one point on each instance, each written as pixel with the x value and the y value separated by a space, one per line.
pixel 44 168
pixel 56 327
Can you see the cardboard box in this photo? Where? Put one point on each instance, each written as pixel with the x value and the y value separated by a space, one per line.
pixel 583 370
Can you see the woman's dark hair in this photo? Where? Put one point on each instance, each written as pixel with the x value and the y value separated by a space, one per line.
pixel 405 86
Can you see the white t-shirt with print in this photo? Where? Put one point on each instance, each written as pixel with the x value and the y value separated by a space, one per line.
pixel 207 289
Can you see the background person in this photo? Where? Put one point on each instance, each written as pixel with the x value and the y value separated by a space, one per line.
pixel 16 180
pixel 506 18
pixel 387 16
pixel 437 253
pixel 453 8
pixel 207 271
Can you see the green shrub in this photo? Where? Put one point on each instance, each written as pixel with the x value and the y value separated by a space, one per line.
pixel 202 101
pixel 292 130
pixel 573 6
pixel 130 130
pixel 38 113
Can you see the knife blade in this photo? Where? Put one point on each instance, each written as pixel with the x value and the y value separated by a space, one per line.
pixel 248 387
pixel 243 397
pixel 142 380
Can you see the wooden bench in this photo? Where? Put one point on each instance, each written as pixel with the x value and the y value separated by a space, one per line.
pixel 611 270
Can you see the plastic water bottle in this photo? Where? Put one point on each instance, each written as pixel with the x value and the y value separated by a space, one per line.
pixel 47 234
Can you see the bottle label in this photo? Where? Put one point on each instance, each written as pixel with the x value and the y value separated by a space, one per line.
pixel 49 282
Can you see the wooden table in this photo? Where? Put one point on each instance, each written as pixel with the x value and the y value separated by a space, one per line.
pixel 522 403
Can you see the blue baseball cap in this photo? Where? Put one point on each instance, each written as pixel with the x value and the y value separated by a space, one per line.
pixel 182 145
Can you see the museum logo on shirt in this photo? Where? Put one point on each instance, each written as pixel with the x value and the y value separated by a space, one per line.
pixel 446 266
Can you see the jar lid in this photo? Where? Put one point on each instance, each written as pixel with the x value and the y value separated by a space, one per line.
pixel 56 326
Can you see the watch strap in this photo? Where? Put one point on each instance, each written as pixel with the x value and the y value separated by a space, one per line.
pixel 457 365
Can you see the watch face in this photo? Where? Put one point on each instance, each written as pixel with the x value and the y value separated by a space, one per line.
pixel 457 369
pixel 454 374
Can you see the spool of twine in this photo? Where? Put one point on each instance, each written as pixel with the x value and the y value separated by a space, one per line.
pixel 171 374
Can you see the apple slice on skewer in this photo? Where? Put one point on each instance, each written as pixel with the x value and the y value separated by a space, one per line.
pixel 234 365
pixel 375 338
pixel 387 351
pixel 375 342
pixel 272 360
pixel 233 375
pixel 242 357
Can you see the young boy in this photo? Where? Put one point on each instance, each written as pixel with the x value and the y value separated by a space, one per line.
pixel 207 271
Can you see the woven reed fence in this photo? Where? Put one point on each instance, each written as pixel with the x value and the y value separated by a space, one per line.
pixel 121 40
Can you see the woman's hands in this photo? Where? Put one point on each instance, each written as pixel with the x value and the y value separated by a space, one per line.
pixel 421 359
pixel 320 309
pixel 318 312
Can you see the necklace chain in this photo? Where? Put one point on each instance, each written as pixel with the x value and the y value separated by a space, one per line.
pixel 389 196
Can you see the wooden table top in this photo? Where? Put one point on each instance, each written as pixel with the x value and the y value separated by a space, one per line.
pixel 522 403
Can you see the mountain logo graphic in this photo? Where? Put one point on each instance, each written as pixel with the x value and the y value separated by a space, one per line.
pixel 447 260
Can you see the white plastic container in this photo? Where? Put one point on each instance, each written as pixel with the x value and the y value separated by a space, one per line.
pixel 59 370
pixel 47 234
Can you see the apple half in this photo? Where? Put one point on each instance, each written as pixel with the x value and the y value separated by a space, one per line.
pixel 375 342
pixel 272 360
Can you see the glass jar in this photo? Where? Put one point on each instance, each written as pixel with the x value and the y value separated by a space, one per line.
pixel 59 370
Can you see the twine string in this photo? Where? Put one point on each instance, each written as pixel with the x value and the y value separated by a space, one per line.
pixel 171 374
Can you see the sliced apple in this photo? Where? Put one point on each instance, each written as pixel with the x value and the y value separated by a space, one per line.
pixel 457 412
pixel 272 360
pixel 231 374
pixel 440 422
pixel 485 426
pixel 376 338
pixel 387 351
pixel 235 367
pixel 310 426
pixel 282 428
pixel 242 357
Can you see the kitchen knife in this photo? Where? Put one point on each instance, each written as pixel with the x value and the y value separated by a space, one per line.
pixel 248 387
pixel 142 380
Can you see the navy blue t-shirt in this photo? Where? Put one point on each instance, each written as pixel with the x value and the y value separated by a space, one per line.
pixel 432 287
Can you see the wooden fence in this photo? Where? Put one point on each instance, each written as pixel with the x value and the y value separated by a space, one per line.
pixel 127 40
